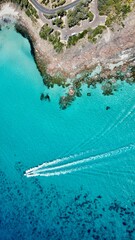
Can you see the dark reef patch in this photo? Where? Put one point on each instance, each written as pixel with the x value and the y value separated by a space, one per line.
pixel 45 213
pixel 45 97
pixel 107 78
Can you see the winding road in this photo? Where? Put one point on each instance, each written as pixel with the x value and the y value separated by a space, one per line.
pixel 44 10
pixel 67 32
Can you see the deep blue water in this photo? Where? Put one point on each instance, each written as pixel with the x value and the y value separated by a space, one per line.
pixel 86 189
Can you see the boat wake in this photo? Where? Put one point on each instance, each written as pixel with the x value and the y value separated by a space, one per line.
pixel 124 114
pixel 65 165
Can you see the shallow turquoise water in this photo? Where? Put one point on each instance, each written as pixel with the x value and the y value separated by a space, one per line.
pixel 87 187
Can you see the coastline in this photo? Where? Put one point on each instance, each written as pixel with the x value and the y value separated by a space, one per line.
pixel 113 53
pixel 114 48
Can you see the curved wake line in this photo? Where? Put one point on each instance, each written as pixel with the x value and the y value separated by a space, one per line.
pixel 128 114
pixel 64 159
pixel 59 160
pixel 44 172
pixel 64 172
pixel 57 173
pixel 120 119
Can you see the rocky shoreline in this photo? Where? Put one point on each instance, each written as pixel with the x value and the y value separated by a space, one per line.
pixel 111 58
pixel 114 48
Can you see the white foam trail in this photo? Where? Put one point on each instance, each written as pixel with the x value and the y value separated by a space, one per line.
pixel 59 160
pixel 119 119
pixel 40 171
pixel 56 161
pixel 57 173
pixel 98 136
pixel 128 114
pixel 85 160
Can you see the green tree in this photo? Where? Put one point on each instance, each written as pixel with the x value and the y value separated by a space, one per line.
pixel 61 12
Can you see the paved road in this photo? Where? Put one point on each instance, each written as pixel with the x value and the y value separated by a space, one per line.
pixel 44 10
pixel 85 24
pixel 66 32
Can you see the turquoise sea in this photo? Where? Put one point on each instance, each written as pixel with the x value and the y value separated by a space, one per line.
pixel 84 187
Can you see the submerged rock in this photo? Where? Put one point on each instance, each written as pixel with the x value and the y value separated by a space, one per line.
pixel 78 93
pixel 44 97
pixel 47 97
pixel 65 101
pixel 107 88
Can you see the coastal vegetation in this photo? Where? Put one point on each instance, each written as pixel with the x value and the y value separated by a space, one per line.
pixel 45 2
pixel 61 12
pixel 45 31
pixel 80 12
pixel 112 6
pixel 57 3
pixel 54 3
pixel 54 38
pixel 31 11
pixel 94 33
pixel 58 22
pixel 27 6
pixel 107 85
pixel 75 38
pixel 58 18
pixel 115 10
pixel 50 16
pixel 48 33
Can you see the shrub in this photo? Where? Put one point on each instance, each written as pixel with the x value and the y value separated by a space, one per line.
pixel 45 31
pixel 81 12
